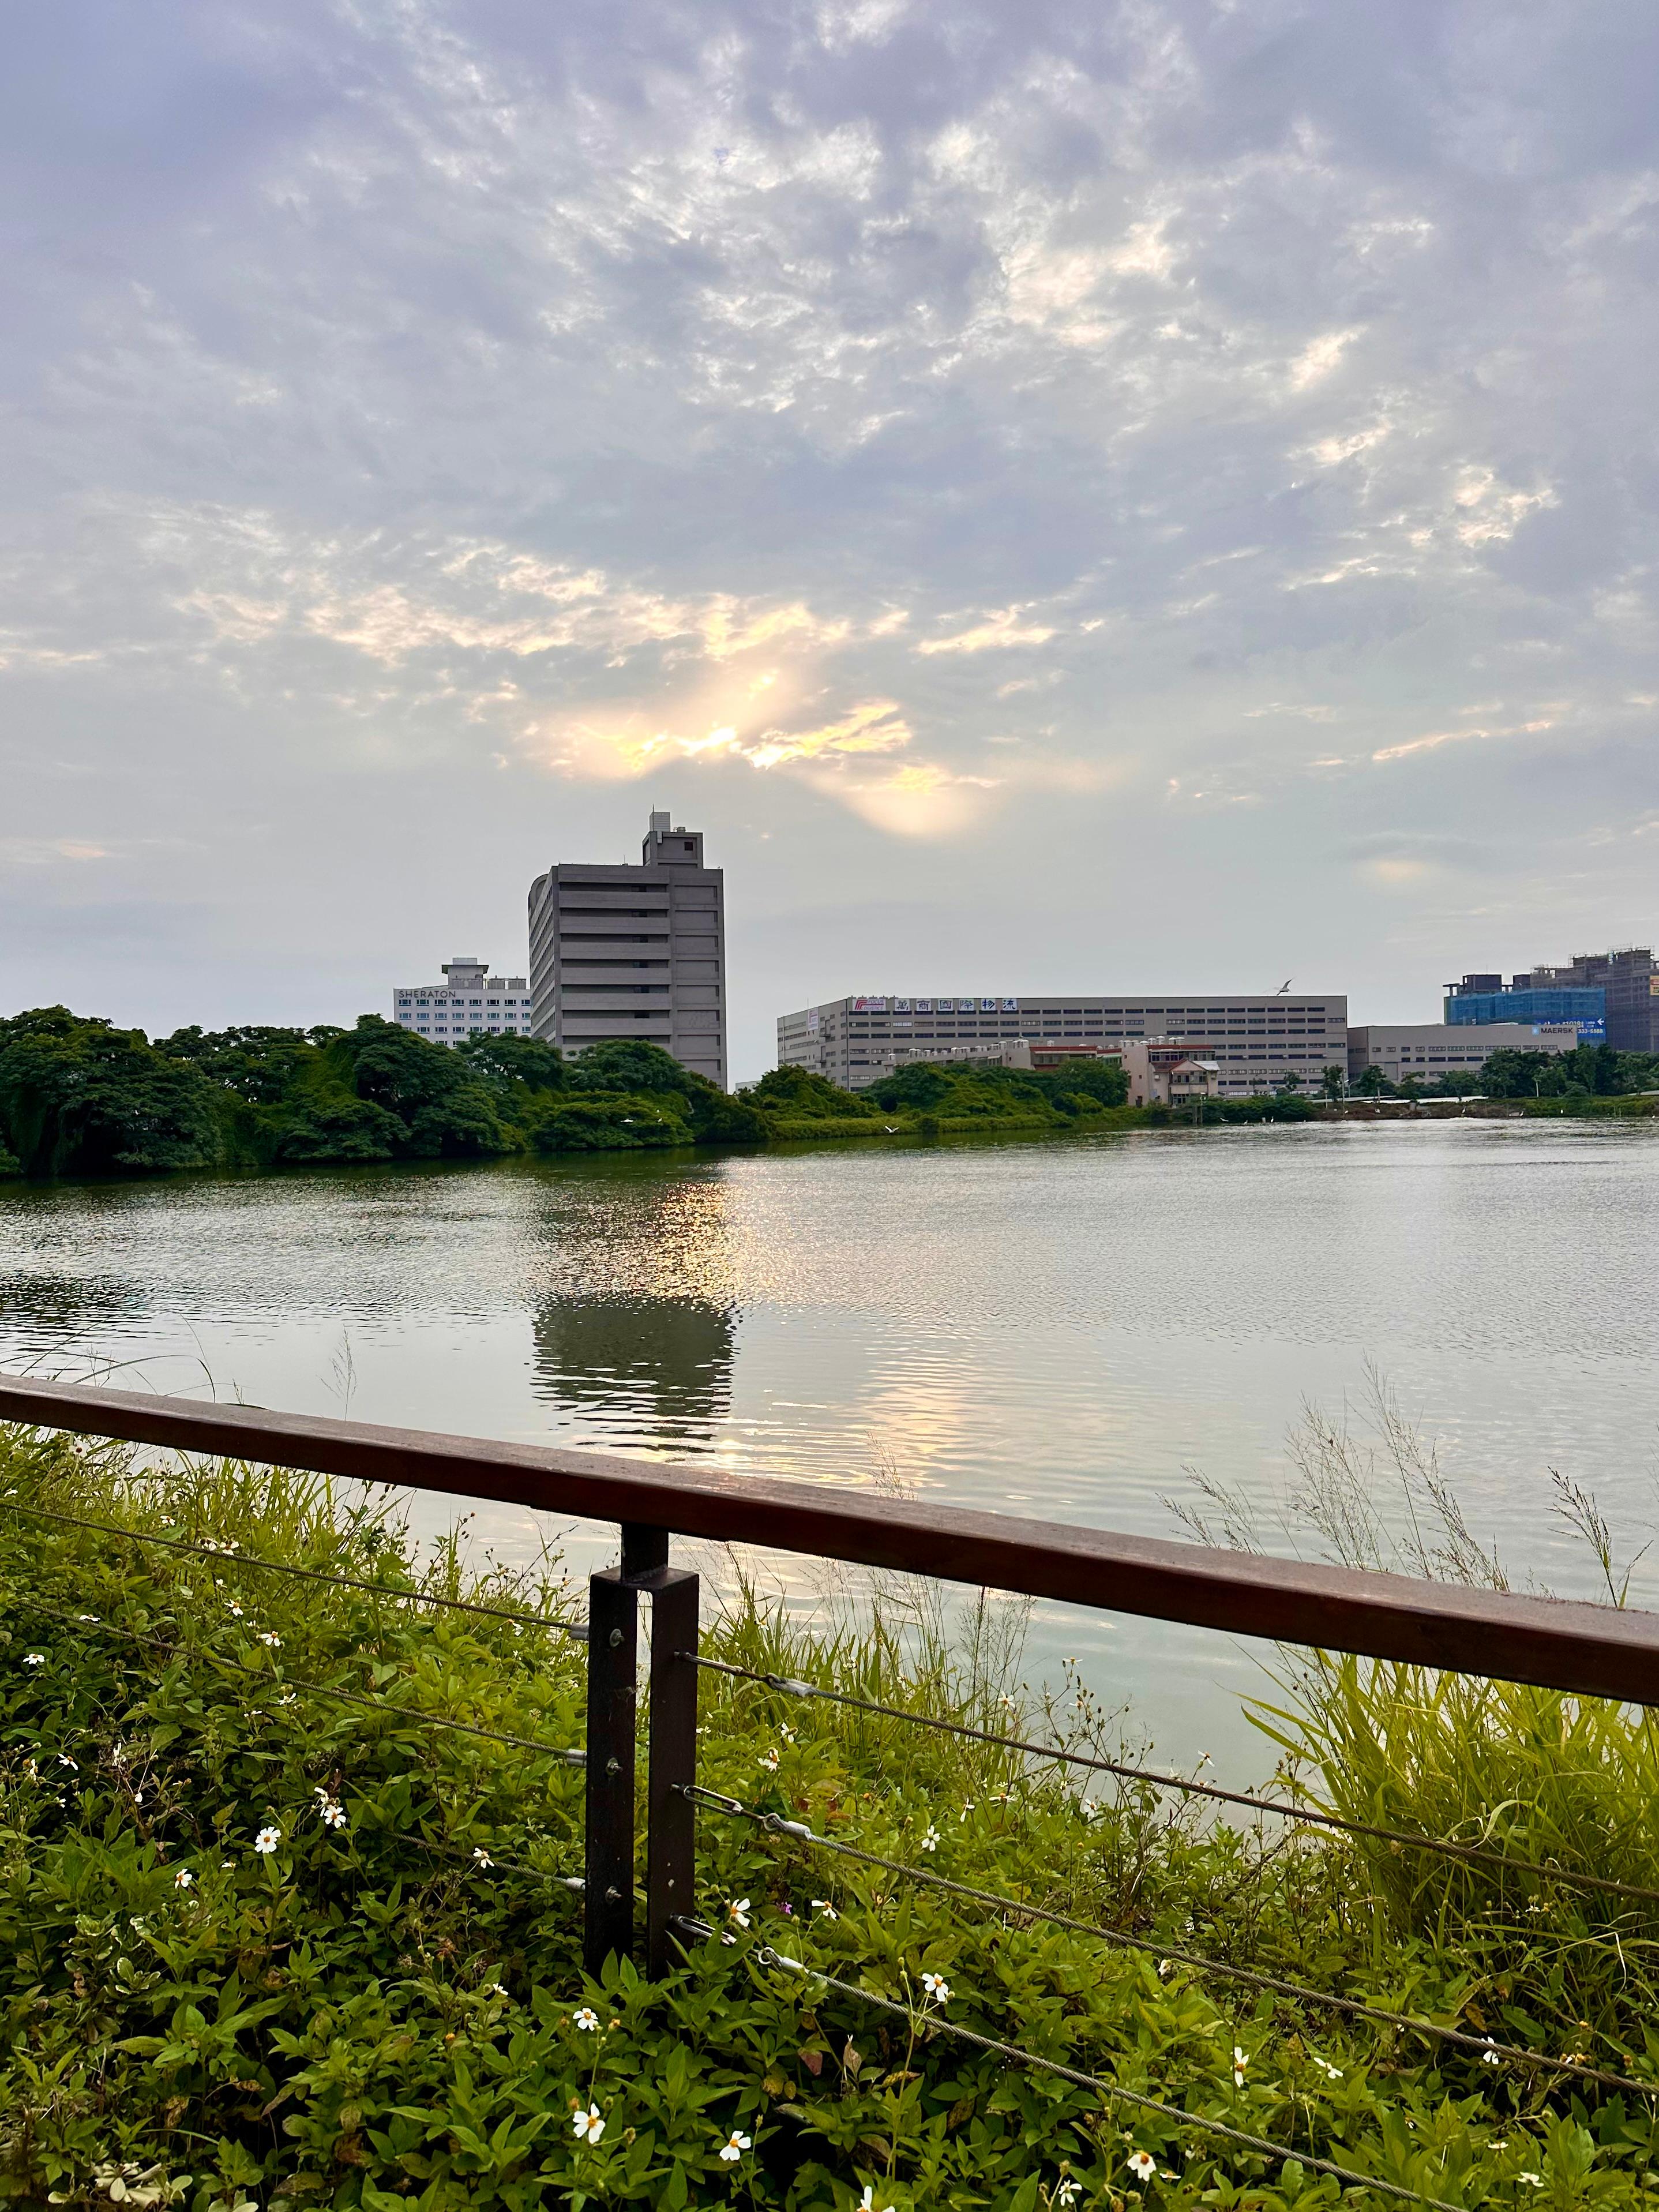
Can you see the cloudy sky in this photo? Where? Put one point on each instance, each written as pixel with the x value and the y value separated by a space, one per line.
pixel 1158 493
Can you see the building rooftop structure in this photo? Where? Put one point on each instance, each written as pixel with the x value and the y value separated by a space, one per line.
pixel 469 1002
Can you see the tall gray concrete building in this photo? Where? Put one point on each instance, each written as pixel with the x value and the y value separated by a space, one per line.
pixel 638 952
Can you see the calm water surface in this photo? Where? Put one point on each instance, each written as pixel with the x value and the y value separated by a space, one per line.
pixel 1064 1328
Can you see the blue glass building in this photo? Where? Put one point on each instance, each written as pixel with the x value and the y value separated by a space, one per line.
pixel 1587 1009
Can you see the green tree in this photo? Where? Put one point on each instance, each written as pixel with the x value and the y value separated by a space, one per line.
pixel 1103 1081
pixel 80 1096
pixel 1370 1083
pixel 619 1066
pixel 1335 1083
pixel 797 1094
pixel 916 1086
pixel 259 1064
pixel 1510 1074
pixel 517 1060
pixel 446 1109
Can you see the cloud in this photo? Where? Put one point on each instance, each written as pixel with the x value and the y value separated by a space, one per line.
pixel 867 422
pixel 1433 739
pixel 998 630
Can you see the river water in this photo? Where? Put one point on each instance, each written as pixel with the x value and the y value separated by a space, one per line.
pixel 1073 1329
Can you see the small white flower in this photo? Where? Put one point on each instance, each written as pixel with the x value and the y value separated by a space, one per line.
pixel 34 1658
pixel 267 1840
pixel 1240 2062
pixel 589 2126
pixel 788 1735
pixel 333 1812
pixel 1143 2165
pixel 226 1862
pixel 91 1617
pixel 270 1638
pixel 770 1762
pixel 1067 2191
pixel 867 2201
pixel 937 1988
pixel 183 1879
pixel 63 1760
pixel 930 1841
pixel 1165 1968
pixel 495 1990
pixel 235 1610
pixel 734 2147
pixel 480 1859
pixel 1490 2057
pixel 1536 2180
pixel 586 2018
pixel 737 1912
pixel 1331 2072
pixel 823 1908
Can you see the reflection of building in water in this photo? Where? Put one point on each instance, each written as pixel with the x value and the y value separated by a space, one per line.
pixel 644 1371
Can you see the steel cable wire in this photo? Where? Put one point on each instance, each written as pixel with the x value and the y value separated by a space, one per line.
pixel 1109 2091
pixel 568 1755
pixel 576 1629
pixel 1289 1811
pixel 1485 2047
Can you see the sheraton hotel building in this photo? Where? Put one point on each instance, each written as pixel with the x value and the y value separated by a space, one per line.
pixel 1254 1042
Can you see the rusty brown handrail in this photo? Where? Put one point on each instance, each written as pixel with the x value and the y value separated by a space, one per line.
pixel 1594 1650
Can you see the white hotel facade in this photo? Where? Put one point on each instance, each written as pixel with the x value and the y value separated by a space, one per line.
pixel 469 1000
pixel 1256 1042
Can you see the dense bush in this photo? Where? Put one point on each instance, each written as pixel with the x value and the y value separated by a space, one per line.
pixel 260 1946
pixel 796 1094
pixel 616 1123
pixel 646 1069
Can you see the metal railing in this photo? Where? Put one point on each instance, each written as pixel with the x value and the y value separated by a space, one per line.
pixel 1581 1649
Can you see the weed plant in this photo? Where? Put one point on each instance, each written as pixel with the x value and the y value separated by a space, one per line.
pixel 262 1946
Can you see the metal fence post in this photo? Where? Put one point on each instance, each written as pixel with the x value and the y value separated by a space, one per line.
pixel 612 1661
pixel 672 1829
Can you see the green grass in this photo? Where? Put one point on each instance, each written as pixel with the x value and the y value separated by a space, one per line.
pixel 366 2015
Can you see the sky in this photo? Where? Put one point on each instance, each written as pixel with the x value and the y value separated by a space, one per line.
pixel 1156 495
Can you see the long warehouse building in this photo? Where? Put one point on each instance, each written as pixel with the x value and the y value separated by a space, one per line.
pixel 1254 1042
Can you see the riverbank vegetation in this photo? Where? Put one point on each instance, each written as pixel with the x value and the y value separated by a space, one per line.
pixel 269 1939
pixel 80 1097
pixel 1574 1079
